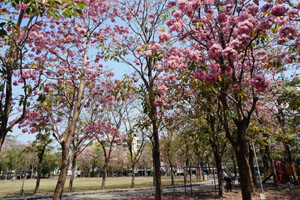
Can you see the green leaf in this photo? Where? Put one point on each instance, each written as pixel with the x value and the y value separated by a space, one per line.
pixel 41 98
pixel 81 5
pixel 2 33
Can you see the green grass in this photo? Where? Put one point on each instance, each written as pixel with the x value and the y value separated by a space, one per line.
pixel 12 188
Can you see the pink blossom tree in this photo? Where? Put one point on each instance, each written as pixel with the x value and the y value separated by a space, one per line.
pixel 21 69
pixel 231 43
pixel 72 71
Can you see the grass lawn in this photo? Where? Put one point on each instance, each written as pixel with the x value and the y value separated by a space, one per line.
pixel 11 188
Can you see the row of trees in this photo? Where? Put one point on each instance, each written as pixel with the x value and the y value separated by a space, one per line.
pixel 217 64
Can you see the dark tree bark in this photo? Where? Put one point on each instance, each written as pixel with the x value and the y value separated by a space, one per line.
pixel 291 163
pixel 38 179
pixel 234 165
pixel 243 164
pixel 39 167
pixel 218 161
pixel 133 175
pixel 104 175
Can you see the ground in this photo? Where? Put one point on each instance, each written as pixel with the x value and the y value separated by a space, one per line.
pixel 11 188
pixel 202 190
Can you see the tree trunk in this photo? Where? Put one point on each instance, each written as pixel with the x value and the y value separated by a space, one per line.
pixel 156 160
pixel 172 175
pixel 243 164
pixel 184 178
pixel 132 176
pixel 2 138
pixel 104 176
pixel 290 161
pixel 218 160
pixel 253 181
pixel 234 166
pixel 38 179
pixel 63 174
pixel 73 174
pixel 153 171
pixel 273 167
pixel 265 159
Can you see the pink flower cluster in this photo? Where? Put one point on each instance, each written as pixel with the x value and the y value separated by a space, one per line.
pixel 162 89
pixel 215 51
pixel 259 83
pixel 278 10
pixel 164 37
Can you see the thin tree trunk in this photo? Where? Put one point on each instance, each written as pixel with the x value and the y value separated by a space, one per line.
pixel 156 160
pixel 38 179
pixel 265 159
pixel 172 175
pixel 252 169
pixel 184 178
pixel 132 176
pixel 2 138
pixel 153 172
pixel 290 161
pixel 73 174
pixel 273 167
pixel 104 176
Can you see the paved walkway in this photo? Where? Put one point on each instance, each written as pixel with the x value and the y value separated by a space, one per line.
pixel 128 194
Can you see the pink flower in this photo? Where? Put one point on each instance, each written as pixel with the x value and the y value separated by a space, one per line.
pixel 265 24
pixel 22 6
pixel 293 13
pixel 171 4
pixel 195 56
pixel 259 83
pixel 211 78
pixel 177 26
pixel 199 75
pixel 289 32
pixel 155 47
pixel 222 18
pixel 162 89
pixel 229 53
pixel 177 14
pixel 158 102
pixel 215 51
pixel 278 10
pixel 148 52
pixel 159 69
pixel 245 27
pixel 164 37
pixel 266 7
pixel 182 4
pixel 253 10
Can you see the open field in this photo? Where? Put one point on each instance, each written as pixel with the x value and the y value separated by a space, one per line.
pixel 12 188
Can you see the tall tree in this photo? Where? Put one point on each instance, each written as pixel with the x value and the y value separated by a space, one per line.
pixel 73 75
pixel 143 18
